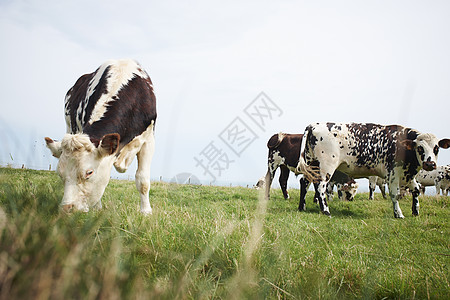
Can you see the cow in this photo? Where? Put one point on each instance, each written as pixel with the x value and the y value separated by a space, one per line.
pixel 284 152
pixel 440 178
pixel 346 186
pixel 110 117
pixel 393 152
pixel 375 181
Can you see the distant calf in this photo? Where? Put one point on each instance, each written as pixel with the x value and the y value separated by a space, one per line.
pixel 110 118
pixel 440 178
pixel 284 152
pixel 375 181
pixel 364 149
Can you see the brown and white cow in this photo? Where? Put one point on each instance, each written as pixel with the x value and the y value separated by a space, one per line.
pixel 440 178
pixel 110 117
pixel 364 149
pixel 284 152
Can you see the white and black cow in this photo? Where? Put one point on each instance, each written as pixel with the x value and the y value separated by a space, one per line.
pixel 361 150
pixel 440 178
pixel 110 118
pixel 375 181
pixel 284 152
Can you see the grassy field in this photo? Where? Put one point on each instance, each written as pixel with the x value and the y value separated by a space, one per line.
pixel 216 243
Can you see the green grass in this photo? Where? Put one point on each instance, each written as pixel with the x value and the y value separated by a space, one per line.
pixel 216 243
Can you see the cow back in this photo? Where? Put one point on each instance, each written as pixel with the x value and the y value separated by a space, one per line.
pixel 117 98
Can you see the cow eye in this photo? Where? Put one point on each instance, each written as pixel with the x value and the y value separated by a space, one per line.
pixel 420 150
pixel 89 173
pixel 436 150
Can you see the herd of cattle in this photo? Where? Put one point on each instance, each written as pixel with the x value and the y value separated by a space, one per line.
pixel 401 158
pixel 110 118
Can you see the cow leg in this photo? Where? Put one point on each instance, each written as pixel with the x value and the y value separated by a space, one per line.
pixel 330 187
pixel 268 182
pixel 438 188
pixel 372 189
pixel 394 193
pixel 126 156
pixel 321 188
pixel 304 184
pixel 422 188
pixel 144 157
pixel 284 176
pixel 128 152
pixel 414 187
pixel 383 190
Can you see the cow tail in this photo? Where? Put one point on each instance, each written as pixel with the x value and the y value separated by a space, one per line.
pixel 275 140
pixel 311 173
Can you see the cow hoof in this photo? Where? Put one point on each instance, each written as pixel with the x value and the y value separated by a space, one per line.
pixel 146 212
pixel 399 216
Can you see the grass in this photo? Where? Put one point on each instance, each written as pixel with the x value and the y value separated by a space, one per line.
pixel 216 243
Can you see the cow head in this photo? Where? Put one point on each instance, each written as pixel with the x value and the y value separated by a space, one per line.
pixel 426 147
pixel 84 168
pixel 350 188
pixel 261 183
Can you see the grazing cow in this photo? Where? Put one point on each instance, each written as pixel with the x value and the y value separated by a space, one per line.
pixel 440 177
pixel 392 152
pixel 284 151
pixel 375 181
pixel 110 118
pixel 346 186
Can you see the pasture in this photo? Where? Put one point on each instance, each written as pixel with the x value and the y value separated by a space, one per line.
pixel 209 242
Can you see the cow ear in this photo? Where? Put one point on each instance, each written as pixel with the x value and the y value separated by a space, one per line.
pixel 109 144
pixel 408 144
pixel 54 146
pixel 444 143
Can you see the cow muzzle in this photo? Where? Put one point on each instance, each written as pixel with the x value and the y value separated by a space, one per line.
pixel 67 208
pixel 429 165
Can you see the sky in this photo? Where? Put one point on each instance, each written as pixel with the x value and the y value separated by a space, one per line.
pixel 227 75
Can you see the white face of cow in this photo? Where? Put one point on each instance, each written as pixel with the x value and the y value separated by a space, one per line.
pixel 426 147
pixel 84 168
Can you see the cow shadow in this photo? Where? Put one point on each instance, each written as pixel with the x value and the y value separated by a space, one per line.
pixel 337 212
pixel 341 209
pixel 338 208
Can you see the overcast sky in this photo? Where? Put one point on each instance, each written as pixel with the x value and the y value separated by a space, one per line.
pixel 386 62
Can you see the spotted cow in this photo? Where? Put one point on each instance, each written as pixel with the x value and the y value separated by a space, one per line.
pixel 360 150
pixel 440 178
pixel 284 151
pixel 110 117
